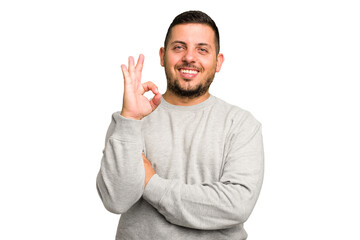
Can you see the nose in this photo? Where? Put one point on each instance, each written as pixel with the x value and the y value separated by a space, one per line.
pixel 189 56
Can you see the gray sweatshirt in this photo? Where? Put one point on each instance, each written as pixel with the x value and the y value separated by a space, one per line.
pixel 209 166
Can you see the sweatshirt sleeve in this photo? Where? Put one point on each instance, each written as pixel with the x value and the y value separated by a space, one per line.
pixel 120 181
pixel 221 204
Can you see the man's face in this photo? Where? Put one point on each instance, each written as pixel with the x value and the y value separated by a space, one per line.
pixel 190 59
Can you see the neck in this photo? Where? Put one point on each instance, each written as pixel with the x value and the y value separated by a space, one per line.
pixel 184 101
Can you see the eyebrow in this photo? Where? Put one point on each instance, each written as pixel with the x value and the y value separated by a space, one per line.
pixel 174 42
pixel 204 44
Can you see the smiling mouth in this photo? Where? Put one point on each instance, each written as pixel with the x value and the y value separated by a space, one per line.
pixel 187 73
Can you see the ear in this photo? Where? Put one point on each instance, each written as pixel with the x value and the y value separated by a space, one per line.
pixel 219 61
pixel 162 56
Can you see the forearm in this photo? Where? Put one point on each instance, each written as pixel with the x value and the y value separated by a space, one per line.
pixel 205 207
pixel 120 181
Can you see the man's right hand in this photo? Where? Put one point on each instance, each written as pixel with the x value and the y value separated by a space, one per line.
pixel 135 104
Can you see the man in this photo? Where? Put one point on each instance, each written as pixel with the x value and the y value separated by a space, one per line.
pixel 185 165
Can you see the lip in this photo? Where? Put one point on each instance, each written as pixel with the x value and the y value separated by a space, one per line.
pixel 188 73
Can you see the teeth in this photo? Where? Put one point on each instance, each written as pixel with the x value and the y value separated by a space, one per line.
pixel 189 71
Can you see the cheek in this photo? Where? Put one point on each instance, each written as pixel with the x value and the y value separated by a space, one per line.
pixel 211 66
pixel 173 59
pixel 169 67
pixel 169 63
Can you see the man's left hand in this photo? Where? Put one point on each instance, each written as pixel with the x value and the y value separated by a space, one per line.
pixel 149 170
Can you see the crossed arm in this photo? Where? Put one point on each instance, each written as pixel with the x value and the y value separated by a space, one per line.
pixel 216 205
pixel 126 176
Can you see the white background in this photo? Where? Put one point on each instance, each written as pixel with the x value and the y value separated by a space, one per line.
pixel 294 64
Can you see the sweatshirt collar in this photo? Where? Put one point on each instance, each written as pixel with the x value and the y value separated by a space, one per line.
pixel 204 104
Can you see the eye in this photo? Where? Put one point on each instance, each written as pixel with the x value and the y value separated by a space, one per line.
pixel 178 47
pixel 203 50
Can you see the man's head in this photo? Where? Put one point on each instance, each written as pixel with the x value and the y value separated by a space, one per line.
pixel 191 54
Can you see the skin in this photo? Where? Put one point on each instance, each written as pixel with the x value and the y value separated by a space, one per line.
pixel 191 48
pixel 135 104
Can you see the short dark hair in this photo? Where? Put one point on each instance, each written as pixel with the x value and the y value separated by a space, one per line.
pixel 194 17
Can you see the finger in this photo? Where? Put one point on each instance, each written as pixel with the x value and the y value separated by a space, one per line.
pixel 155 101
pixel 140 63
pixel 132 67
pixel 145 160
pixel 150 86
pixel 139 67
pixel 125 73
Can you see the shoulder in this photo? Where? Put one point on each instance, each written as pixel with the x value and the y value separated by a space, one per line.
pixel 237 115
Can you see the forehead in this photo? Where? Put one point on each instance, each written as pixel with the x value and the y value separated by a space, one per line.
pixel 192 33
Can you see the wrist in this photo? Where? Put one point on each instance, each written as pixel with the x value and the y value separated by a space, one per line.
pixel 148 177
pixel 128 116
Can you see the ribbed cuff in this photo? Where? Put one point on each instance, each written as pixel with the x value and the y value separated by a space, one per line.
pixel 126 129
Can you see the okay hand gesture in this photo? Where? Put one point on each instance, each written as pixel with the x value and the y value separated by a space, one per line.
pixel 135 104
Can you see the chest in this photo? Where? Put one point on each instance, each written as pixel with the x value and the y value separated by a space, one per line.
pixel 186 146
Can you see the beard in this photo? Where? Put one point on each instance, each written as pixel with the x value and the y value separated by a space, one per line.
pixel 199 90
pixel 174 86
